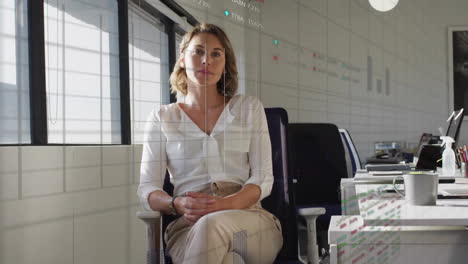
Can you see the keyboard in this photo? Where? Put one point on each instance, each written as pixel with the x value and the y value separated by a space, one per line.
pixel 388 167
pixel 385 173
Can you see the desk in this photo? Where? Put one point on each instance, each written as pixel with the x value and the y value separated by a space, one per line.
pixel 365 177
pixel 389 231
pixel 351 242
pixel 349 200
pixel 380 208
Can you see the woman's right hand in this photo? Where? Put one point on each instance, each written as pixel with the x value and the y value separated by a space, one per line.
pixel 192 208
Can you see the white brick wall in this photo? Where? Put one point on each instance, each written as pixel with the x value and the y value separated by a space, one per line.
pixel 90 219
pixel 410 42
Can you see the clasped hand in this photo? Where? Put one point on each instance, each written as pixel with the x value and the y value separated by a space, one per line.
pixel 194 205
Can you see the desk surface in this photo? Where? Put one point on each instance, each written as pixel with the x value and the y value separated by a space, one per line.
pixel 379 208
pixel 365 176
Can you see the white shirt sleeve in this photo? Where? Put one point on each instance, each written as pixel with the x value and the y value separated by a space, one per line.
pixel 153 160
pixel 261 170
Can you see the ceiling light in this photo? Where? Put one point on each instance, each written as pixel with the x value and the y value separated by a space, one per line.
pixel 383 5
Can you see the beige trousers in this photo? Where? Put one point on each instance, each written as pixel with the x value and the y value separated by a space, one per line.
pixel 247 236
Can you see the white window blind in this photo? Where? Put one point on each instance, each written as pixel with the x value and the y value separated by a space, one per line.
pixel 14 73
pixel 82 71
pixel 149 72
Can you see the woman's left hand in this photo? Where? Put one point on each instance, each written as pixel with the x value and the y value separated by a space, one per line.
pixel 218 205
pixel 245 198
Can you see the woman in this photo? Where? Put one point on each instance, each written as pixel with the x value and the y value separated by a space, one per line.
pixel 217 150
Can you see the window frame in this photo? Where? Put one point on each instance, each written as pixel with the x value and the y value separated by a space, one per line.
pixel 451 69
pixel 37 72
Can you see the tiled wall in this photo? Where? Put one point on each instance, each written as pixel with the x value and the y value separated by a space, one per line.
pixel 70 205
pixel 407 49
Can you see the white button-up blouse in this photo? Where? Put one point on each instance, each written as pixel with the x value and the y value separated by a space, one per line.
pixel 238 149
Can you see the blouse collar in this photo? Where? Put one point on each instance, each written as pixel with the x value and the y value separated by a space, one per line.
pixel 224 120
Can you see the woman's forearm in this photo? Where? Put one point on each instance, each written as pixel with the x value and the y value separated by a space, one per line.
pixel 160 201
pixel 243 199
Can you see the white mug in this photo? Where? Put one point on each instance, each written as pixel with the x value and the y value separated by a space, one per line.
pixel 420 188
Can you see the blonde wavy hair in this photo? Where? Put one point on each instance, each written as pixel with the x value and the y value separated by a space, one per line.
pixel 227 85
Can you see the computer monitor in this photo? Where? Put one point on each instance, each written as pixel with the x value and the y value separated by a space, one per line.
pixel 430 154
pixel 455 120
pixel 424 140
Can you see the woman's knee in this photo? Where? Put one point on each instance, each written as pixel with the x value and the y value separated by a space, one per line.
pixel 219 219
pixel 209 225
pixel 215 228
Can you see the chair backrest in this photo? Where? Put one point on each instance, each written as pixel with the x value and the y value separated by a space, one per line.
pixel 281 200
pixel 351 149
pixel 317 156
pixel 167 219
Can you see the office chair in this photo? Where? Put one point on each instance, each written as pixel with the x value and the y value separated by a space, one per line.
pixel 351 150
pixel 280 203
pixel 317 156
pixel 347 186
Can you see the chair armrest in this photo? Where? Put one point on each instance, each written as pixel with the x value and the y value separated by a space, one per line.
pixel 311 211
pixel 310 215
pixel 146 215
pixel 152 220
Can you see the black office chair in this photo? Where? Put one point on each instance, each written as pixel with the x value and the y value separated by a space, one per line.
pixel 280 202
pixel 351 150
pixel 318 158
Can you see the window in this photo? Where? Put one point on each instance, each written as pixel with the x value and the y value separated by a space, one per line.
pixel 88 93
pixel 82 71
pixel 14 73
pixel 149 67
